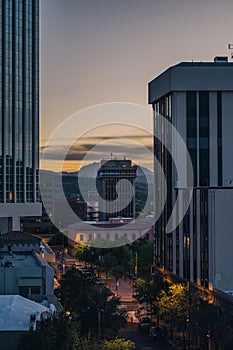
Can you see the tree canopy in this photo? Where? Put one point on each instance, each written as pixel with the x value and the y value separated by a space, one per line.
pixel 92 305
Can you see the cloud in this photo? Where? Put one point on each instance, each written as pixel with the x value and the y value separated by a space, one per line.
pixel 92 151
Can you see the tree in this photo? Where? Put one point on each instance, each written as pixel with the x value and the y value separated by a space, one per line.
pixel 58 333
pixel 118 344
pixel 94 306
pixel 58 239
pixel 150 291
pixel 176 306
pixel 117 272
pixel 145 258
pixel 109 262
pixel 214 323
pixel 145 251
pixel 86 254
pixel 63 334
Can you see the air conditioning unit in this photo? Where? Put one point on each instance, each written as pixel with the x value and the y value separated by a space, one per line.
pixel 221 59
pixel 228 182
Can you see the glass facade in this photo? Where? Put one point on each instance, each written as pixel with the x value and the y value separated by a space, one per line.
pixel 197 113
pixel 219 128
pixel 187 233
pixel 19 100
pixel 201 95
pixel 191 112
pixel 163 240
pixel 204 237
pixel 204 130
pixel 108 176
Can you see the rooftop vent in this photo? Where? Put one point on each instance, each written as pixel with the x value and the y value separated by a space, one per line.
pixel 220 59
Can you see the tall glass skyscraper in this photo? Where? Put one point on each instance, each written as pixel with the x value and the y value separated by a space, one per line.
pixel 19 111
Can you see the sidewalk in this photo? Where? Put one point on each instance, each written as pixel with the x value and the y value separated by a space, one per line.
pixel 124 290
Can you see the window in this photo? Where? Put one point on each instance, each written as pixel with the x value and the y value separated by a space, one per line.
pixel 219 126
pixel 35 290
pixel 24 291
pixel 191 113
pixel 204 138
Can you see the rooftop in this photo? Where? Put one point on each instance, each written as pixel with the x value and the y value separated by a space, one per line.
pixel 21 259
pixel 16 311
pixel 129 225
pixel 192 76
pixel 19 237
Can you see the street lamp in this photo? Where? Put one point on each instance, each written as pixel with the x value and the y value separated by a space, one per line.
pixel 136 264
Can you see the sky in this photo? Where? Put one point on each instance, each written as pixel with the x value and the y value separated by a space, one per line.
pixel 101 51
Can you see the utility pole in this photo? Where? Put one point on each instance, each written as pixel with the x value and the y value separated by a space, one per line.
pixel 136 264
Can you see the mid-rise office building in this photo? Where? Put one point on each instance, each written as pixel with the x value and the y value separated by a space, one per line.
pixel 19 111
pixel 197 98
pixel 109 176
pixel 26 274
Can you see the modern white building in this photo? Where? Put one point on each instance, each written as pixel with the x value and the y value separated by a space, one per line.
pixel 197 98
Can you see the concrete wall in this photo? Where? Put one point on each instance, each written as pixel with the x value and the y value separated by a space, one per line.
pixel 9 340
pixel 227 138
pixel 222 217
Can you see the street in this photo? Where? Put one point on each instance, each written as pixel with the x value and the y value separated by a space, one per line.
pixel 131 332
pixel 142 340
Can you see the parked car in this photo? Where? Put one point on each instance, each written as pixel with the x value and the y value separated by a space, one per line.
pixel 156 333
pixel 100 282
pixel 145 324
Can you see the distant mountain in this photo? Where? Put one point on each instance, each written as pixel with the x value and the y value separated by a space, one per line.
pixel 89 172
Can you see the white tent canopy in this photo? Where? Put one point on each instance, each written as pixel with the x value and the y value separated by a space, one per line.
pixel 18 313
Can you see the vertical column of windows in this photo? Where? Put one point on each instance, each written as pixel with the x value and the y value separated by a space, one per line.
pixel 8 112
pixel 35 99
pixel 158 225
pixel 186 238
pixel 191 113
pixel 219 128
pixel 28 111
pixel 163 241
pixel 204 248
pixel 19 99
pixel 194 236
pixel 204 158
pixel 1 99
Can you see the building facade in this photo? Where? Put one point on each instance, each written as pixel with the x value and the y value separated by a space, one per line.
pixel 118 230
pixel 26 274
pixel 197 98
pixel 109 176
pixel 19 111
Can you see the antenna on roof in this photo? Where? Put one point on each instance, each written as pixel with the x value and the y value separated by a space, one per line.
pixel 230 47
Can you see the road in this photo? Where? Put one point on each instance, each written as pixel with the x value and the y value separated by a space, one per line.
pixel 142 340
pixel 124 290
pixel 131 332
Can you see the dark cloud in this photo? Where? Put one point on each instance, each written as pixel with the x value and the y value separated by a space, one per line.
pixel 78 152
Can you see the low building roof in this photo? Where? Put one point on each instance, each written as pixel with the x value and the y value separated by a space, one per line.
pixel 15 312
pixel 19 237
